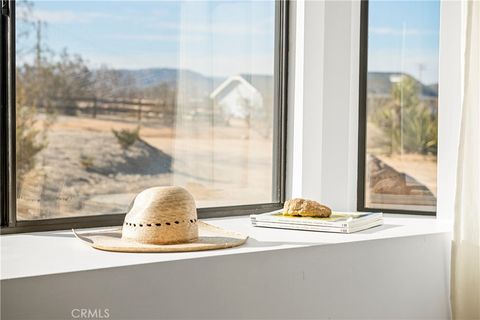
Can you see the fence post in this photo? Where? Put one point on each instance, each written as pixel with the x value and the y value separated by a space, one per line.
pixel 94 111
pixel 139 110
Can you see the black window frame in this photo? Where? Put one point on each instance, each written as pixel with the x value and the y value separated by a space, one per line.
pixel 9 224
pixel 362 122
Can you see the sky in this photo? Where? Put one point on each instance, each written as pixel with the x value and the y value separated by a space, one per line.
pixel 222 38
pixel 404 37
pixel 216 38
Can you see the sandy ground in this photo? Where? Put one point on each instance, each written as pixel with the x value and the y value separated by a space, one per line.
pixel 84 171
pixel 422 168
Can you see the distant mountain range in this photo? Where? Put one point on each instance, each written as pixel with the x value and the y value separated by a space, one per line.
pixel 156 76
pixel 184 80
pixel 379 83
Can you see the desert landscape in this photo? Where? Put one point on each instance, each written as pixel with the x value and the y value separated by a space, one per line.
pixel 91 135
pixel 83 170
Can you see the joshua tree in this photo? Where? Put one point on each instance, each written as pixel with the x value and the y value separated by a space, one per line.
pixel 408 122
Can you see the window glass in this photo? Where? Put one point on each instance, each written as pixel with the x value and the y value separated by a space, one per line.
pixel 117 96
pixel 402 105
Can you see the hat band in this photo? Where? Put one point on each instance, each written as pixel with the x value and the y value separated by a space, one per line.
pixel 159 224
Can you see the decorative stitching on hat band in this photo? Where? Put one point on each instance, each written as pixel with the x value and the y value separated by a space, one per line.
pixel 158 224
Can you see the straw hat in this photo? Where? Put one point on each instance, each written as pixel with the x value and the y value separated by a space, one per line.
pixel 162 219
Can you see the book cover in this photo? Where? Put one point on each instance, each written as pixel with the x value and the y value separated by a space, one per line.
pixel 337 219
pixel 306 227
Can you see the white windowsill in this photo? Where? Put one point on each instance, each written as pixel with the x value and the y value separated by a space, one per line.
pixel 46 253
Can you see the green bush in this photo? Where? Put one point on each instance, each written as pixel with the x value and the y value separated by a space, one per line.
pixel 87 162
pixel 126 138
pixel 31 137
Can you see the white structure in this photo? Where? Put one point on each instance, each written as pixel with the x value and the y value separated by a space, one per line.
pixel 243 96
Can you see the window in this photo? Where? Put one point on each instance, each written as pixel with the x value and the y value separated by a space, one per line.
pixel 398 106
pixel 104 103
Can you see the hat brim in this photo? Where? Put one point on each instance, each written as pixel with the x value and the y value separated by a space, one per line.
pixel 209 238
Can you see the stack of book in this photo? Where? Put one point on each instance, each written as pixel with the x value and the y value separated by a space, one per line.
pixel 341 222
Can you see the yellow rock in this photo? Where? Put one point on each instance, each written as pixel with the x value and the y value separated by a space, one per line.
pixel 306 208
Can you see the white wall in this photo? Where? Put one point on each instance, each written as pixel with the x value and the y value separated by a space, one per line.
pixel 397 278
pixel 305 89
pixel 449 103
pixel 323 106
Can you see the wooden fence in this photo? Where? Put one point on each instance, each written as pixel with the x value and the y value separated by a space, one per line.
pixel 139 108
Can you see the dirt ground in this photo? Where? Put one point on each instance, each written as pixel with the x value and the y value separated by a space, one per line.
pixel 84 171
pixel 422 168
pixel 417 170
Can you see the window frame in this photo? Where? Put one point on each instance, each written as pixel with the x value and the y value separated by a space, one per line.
pixel 9 224
pixel 362 122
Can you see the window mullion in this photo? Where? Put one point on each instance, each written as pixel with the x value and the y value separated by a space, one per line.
pixel 3 114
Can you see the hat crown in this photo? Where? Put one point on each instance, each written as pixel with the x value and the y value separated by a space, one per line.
pixel 162 215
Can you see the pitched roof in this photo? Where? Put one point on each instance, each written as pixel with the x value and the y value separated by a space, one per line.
pixel 261 83
pixel 381 83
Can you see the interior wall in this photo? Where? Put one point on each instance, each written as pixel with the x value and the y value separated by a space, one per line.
pixel 323 105
pixel 450 94
pixel 340 104
pixel 397 278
